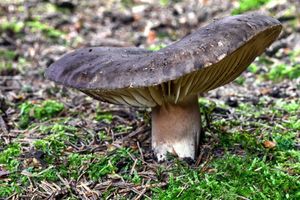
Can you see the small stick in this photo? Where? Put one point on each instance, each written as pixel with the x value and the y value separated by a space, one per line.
pixel 10 78
pixel 141 129
pixel 199 159
pixel 140 150
pixel 134 164
pixel 141 194
pixel 3 125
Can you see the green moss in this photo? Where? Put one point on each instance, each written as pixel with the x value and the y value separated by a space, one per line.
pixel 14 25
pixel 240 80
pixel 17 26
pixel 7 189
pixel 230 177
pixel 283 71
pixel 31 111
pixel 47 30
pixel 9 160
pixel 54 145
pixel 288 106
pixel 127 3
pixel 164 2
pixel 8 54
pixel 105 117
pixel 253 68
pixel 246 5
pixel 117 162
pixel 9 156
pixel 156 47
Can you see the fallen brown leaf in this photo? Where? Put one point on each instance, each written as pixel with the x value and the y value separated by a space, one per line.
pixel 269 144
pixel 3 173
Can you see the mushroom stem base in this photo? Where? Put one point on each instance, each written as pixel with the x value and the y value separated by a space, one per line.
pixel 176 129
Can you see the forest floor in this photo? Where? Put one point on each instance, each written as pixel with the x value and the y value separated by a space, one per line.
pixel 57 143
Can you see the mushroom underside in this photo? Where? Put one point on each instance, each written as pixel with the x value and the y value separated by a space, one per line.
pixel 200 81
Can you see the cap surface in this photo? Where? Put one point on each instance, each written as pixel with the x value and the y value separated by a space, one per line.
pixel 208 58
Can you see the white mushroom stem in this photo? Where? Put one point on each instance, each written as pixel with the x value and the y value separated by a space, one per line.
pixel 176 129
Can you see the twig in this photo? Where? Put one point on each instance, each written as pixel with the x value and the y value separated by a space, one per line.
pixel 133 166
pixel 204 167
pixel 244 198
pixel 141 194
pixel 10 78
pixel 11 196
pixel 138 131
pixel 199 159
pixel 3 125
pixel 178 195
pixel 9 88
pixel 64 181
pixel 128 188
pixel 140 150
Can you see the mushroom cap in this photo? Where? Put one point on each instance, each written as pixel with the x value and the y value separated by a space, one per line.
pixel 206 59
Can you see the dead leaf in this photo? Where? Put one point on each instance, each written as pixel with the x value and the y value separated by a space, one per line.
pixel 151 37
pixel 269 144
pixel 265 91
pixel 3 173
pixel 111 147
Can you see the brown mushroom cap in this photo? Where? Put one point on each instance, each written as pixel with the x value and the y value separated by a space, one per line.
pixel 206 59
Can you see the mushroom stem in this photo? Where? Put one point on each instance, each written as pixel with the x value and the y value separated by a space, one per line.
pixel 176 129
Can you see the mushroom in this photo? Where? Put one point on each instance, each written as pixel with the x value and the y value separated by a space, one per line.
pixel 170 79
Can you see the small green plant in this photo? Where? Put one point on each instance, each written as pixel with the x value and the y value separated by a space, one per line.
pixel 105 117
pixel 253 68
pixel 54 144
pixel 119 161
pixel 11 63
pixel 282 71
pixel 288 106
pixel 156 47
pixel 8 54
pixel 47 30
pixel 284 142
pixel 6 67
pixel 7 189
pixel 6 61
pixel 14 26
pixel 164 2
pixel 8 156
pixel 127 3
pixel 17 27
pixel 122 128
pixel 294 55
pixel 206 108
pixel 30 111
pixel 293 123
pixel 246 5
pixel 240 80
pixel 75 161
pixel 9 162
pixel 168 2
